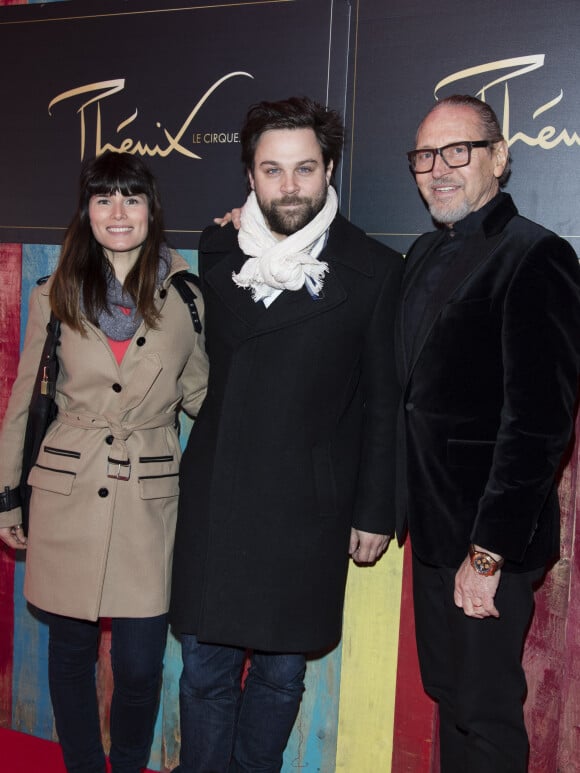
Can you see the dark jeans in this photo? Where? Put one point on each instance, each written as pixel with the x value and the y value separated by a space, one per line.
pixel 473 669
pixel 137 648
pixel 225 729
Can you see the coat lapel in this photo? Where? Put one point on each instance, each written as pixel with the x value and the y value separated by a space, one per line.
pixel 236 299
pixel 296 306
pixel 289 307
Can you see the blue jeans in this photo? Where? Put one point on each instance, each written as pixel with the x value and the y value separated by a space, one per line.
pixel 137 648
pixel 225 729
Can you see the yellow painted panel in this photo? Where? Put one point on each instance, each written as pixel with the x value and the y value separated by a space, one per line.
pixel 369 665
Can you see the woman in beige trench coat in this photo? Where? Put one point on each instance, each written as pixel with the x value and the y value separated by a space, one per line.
pixel 100 539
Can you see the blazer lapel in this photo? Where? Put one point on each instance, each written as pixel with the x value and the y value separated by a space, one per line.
pixel 413 265
pixel 476 251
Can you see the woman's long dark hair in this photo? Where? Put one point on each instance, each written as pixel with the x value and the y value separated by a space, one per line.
pixel 83 266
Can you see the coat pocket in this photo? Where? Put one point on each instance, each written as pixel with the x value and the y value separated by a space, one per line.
pixel 159 486
pixel 50 479
pixel 470 453
pixel 324 481
pixel 61 452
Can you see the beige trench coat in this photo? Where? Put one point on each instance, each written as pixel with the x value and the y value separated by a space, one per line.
pixel 101 546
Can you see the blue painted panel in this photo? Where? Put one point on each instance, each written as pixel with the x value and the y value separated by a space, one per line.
pixel 31 710
pixel 312 745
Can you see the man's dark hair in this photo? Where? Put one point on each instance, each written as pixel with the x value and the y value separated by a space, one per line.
pixel 293 113
pixel 487 118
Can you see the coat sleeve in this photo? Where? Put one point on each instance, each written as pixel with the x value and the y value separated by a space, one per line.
pixel 375 501
pixel 15 418
pixel 541 359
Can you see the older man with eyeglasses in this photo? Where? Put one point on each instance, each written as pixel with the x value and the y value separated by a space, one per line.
pixel 489 357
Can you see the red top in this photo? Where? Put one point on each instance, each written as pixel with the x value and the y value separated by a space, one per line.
pixel 120 347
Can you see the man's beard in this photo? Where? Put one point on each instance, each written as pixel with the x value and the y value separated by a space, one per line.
pixel 287 222
pixel 447 214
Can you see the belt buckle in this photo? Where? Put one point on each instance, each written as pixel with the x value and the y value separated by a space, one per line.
pixel 118 469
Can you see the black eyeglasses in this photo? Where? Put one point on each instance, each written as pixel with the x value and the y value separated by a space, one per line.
pixel 456 154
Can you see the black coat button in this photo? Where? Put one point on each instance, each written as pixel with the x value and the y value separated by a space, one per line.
pixel 141 341
pixel 109 440
pixel 117 387
pixel 103 492
pixel 162 293
pixel 410 406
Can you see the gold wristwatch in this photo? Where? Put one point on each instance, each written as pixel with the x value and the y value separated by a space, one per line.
pixel 483 563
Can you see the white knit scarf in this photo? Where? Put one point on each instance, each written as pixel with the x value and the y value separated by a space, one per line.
pixel 284 264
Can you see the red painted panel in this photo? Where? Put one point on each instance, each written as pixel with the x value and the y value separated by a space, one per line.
pixel 415 712
pixel 569 738
pixel 10 282
pixel 552 650
pixel 105 681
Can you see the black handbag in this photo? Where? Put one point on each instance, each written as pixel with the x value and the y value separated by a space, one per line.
pixel 41 412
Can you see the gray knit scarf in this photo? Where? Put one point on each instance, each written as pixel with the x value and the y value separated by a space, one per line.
pixel 113 321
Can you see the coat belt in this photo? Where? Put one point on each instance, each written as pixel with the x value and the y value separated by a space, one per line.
pixel 119 464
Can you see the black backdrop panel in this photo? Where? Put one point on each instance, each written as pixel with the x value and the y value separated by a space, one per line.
pixel 523 54
pixel 171 81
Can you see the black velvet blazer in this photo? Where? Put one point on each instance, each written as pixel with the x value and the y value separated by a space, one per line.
pixel 489 392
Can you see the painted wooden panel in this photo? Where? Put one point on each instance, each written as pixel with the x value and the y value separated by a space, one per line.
pixel 165 750
pixel 312 745
pixel 32 712
pixel 10 262
pixel 369 665
pixel 415 713
pixel 569 735
pixel 552 651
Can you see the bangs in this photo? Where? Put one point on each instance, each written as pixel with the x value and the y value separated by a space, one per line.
pixel 117 172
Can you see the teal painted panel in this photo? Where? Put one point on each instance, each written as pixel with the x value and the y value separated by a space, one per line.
pixel 165 749
pixel 191 257
pixel 31 710
pixel 312 745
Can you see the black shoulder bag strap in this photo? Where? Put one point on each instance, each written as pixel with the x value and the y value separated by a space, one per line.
pixel 41 412
pixel 183 287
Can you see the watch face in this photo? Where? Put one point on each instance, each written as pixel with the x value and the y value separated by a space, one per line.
pixel 483 564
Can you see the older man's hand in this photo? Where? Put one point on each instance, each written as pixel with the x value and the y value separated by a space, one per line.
pixel 234 216
pixel 474 592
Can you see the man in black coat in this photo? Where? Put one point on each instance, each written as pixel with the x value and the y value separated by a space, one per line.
pixel 489 331
pixel 290 465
